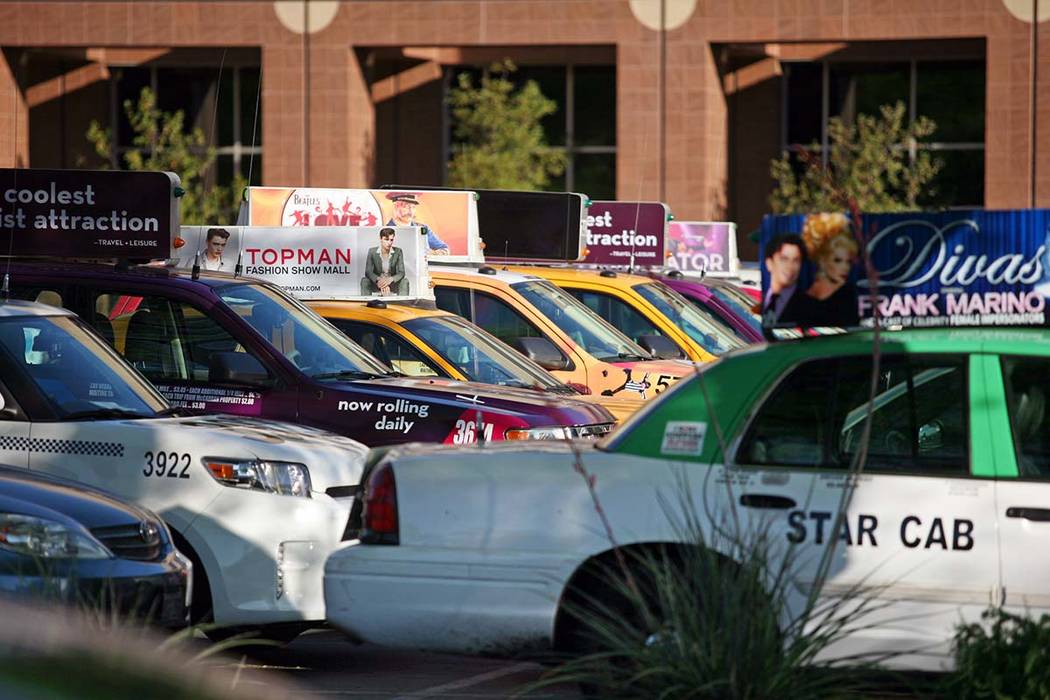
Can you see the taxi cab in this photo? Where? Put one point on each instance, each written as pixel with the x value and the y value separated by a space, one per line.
pixel 423 342
pixel 555 330
pixel 256 505
pixel 941 523
pixel 646 310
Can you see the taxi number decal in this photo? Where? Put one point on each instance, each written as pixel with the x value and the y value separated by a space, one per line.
pixel 170 464
pixel 466 432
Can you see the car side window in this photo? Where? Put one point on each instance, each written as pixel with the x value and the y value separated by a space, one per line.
pixel 616 312
pixel 1027 381
pixel 166 340
pixel 453 300
pixel 388 347
pixel 816 416
pixel 501 320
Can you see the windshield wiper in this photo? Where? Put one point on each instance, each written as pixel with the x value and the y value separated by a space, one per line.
pixel 105 414
pixel 348 374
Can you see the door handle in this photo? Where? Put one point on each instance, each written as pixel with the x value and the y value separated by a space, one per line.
pixel 765 500
pixel 1039 515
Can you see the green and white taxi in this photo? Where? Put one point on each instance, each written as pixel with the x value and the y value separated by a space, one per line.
pixel 474 550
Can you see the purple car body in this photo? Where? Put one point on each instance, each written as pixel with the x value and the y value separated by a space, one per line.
pixel 225 344
pixel 738 320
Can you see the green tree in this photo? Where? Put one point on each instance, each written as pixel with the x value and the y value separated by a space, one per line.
pixel 161 142
pixel 869 159
pixel 499 140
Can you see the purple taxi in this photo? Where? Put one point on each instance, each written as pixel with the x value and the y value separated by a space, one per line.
pixel 224 344
pixel 723 308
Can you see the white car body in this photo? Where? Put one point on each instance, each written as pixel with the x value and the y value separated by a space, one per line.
pixel 487 575
pixel 246 539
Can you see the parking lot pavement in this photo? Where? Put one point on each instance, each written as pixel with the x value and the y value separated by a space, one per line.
pixel 325 664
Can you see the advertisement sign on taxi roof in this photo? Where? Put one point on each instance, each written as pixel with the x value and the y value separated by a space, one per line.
pixel 88 213
pixel 957 268
pixel 327 262
pixel 449 218
pixel 522 226
pixel 702 246
pixel 626 234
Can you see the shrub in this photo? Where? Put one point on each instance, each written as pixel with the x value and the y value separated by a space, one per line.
pixel 1004 656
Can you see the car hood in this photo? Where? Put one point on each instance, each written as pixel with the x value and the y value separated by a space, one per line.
pixel 42 496
pixel 557 409
pixel 675 368
pixel 333 460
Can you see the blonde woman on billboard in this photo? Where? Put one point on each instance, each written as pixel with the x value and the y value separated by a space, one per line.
pixel 832 298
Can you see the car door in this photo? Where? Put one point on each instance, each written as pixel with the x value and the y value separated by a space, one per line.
pixel 172 343
pixel 917 531
pixel 1022 385
pixel 15 351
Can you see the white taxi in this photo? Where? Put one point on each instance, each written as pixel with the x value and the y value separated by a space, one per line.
pixel 257 505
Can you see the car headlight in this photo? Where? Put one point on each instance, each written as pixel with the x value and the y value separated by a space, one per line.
pixel 286 478
pixel 557 432
pixel 48 539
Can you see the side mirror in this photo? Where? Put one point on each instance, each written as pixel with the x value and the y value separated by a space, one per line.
pixel 541 351
pixel 237 368
pixel 931 436
pixel 660 347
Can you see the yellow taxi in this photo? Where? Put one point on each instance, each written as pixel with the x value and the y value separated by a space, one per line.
pixel 426 342
pixel 645 309
pixel 555 330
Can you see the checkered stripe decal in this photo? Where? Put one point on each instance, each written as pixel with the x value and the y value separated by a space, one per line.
pixel 67 447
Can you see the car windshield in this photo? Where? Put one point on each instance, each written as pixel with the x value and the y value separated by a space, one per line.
pixel 697 324
pixel 480 356
pixel 73 370
pixel 741 309
pixel 586 328
pixel 312 344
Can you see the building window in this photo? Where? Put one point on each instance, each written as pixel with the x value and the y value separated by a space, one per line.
pixel 194 90
pixel 951 92
pixel 584 123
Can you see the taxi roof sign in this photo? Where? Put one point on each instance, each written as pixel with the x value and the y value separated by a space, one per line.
pixel 522 226
pixel 88 213
pixel 449 218
pixel 326 262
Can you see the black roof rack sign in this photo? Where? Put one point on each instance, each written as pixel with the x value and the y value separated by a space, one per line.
pixel 944 269
pixel 88 213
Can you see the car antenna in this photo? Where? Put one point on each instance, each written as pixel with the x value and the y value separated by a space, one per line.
pixel 251 161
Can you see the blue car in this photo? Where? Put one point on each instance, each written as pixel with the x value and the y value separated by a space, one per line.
pixel 66 542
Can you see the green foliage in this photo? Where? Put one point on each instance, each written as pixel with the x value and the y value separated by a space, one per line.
pixel 1006 657
pixel 869 160
pixel 500 142
pixel 161 142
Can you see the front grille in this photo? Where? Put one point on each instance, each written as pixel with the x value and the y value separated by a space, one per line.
pixel 591 431
pixel 128 542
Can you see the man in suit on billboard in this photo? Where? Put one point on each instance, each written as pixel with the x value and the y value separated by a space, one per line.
pixel 385 268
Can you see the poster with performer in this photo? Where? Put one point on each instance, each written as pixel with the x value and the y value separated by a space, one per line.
pixel 953 268
pixel 448 218
pixel 707 247
pixel 324 262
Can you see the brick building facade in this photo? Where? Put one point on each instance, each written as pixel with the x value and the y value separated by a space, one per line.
pixel 699 107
